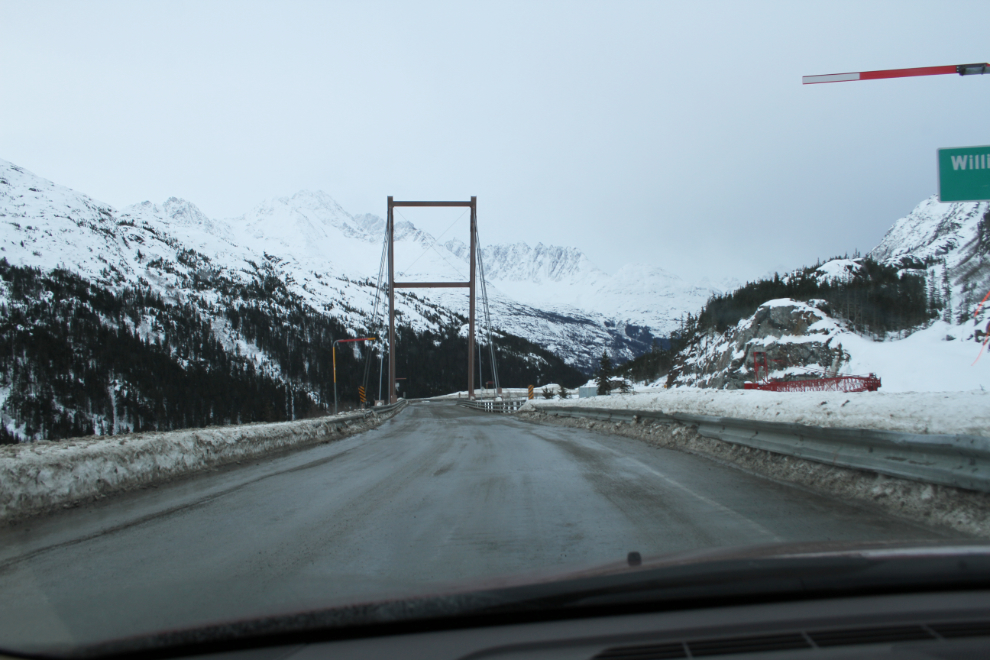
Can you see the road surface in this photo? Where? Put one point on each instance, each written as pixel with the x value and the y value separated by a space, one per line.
pixel 437 496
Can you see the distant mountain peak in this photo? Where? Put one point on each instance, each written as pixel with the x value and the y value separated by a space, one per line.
pixel 932 230
pixel 955 234
pixel 180 211
pixel 552 294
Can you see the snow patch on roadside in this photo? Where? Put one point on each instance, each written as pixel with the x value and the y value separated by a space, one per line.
pixel 41 476
pixel 952 413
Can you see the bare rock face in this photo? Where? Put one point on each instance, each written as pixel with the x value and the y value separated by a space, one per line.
pixel 800 340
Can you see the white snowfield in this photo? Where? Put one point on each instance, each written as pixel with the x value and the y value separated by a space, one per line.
pixel 40 476
pixel 951 413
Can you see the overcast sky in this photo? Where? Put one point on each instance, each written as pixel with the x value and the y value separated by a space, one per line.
pixel 672 133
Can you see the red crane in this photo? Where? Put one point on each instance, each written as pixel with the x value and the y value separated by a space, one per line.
pixel 869 383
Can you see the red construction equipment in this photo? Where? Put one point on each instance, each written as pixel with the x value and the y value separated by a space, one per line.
pixel 869 383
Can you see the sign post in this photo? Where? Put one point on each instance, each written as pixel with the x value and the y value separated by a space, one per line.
pixel 333 349
pixel 964 174
pixel 978 69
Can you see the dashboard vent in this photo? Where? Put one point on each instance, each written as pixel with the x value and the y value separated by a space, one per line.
pixel 648 652
pixel 962 629
pixel 796 640
pixel 884 635
pixel 753 644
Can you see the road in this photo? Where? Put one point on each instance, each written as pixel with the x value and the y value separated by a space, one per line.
pixel 437 496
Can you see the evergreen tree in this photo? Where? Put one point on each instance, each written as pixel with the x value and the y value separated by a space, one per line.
pixel 946 294
pixel 78 358
pixel 604 374
pixel 983 233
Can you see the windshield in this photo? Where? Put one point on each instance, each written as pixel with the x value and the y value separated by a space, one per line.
pixel 309 306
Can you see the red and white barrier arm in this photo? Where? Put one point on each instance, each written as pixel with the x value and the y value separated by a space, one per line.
pixel 961 69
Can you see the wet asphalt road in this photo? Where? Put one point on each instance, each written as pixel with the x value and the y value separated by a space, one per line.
pixel 437 496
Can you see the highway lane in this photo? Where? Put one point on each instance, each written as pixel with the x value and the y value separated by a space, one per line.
pixel 437 496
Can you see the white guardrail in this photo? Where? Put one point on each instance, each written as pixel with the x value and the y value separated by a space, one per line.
pixel 494 405
pixel 961 461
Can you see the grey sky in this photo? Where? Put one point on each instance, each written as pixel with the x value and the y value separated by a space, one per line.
pixel 675 133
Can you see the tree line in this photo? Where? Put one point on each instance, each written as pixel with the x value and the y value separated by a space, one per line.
pixel 876 299
pixel 78 358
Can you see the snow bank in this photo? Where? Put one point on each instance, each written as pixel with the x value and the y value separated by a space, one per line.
pixel 954 413
pixel 507 392
pixel 923 361
pixel 40 476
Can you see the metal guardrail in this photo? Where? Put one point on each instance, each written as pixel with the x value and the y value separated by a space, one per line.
pixel 961 461
pixel 376 410
pixel 363 413
pixel 494 406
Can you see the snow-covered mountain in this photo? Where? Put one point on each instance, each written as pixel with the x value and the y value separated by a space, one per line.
pixel 551 295
pixel 563 280
pixel 944 249
pixel 138 317
pixel 953 237
pixel 156 316
pixel 803 341
pixel 934 230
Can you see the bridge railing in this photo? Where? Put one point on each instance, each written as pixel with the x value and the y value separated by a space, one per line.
pixel 494 405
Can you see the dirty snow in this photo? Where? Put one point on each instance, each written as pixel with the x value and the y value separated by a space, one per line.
pixel 40 476
pixel 958 413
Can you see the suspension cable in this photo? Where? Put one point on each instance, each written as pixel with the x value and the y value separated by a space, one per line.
pixel 374 325
pixel 432 245
pixel 488 315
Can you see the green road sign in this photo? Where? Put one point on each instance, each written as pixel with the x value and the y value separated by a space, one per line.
pixel 964 174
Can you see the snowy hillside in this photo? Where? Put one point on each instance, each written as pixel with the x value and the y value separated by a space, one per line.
pixel 906 311
pixel 157 316
pixel 330 259
pixel 803 340
pixel 934 230
pixel 564 281
pixel 952 237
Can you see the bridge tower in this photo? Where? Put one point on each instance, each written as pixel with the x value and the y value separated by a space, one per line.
pixel 393 285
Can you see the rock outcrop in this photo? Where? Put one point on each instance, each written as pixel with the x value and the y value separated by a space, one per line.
pixel 800 339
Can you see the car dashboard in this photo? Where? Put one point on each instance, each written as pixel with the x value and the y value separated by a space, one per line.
pixel 927 625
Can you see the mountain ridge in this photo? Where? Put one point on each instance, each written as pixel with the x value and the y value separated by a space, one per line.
pixel 322 250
